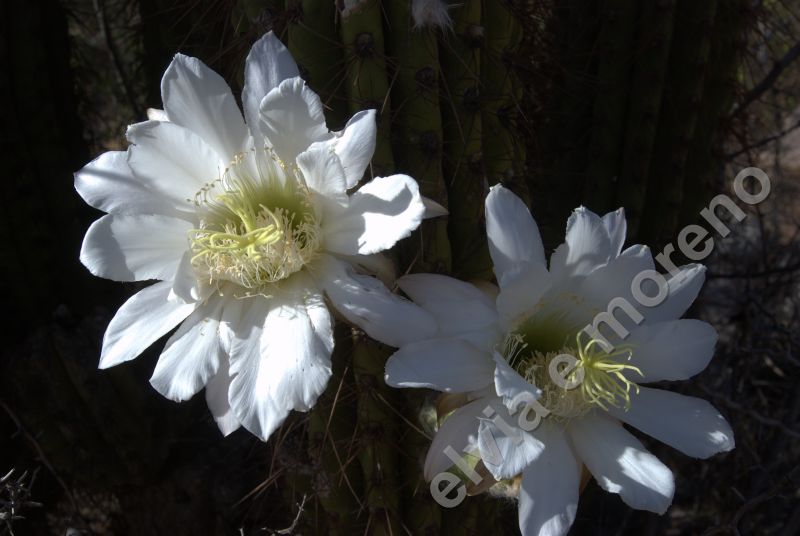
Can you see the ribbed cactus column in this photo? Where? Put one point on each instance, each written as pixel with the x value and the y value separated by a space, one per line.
pixel 653 42
pixel 337 479
pixel 727 37
pixel 679 112
pixel 366 80
pixel 460 52
pixel 564 130
pixel 464 170
pixel 367 86
pixel 501 115
pixel 377 438
pixel 615 55
pixel 417 127
pixel 313 40
pixel 417 144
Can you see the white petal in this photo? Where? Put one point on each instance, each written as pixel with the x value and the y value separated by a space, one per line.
pixel 107 183
pixel 278 362
pixel 489 289
pixel 506 449
pixel 617 228
pixel 621 464
pixel 512 387
pixel 689 424
pixel 683 289
pixel 324 175
pixel 267 65
pixel 448 365
pixel 587 245
pixel 377 264
pixel 524 286
pixel 513 234
pixel 672 350
pixel 135 247
pixel 291 118
pixel 157 114
pixel 457 306
pixel 185 284
pixel 459 432
pixel 199 99
pixel 192 355
pixel 217 399
pixel 368 304
pixel 548 496
pixel 141 320
pixel 613 280
pixel 317 310
pixel 355 145
pixel 232 313
pixel 171 161
pixel 381 212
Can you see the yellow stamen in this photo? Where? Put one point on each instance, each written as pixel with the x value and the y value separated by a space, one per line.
pixel 257 231
pixel 604 381
pixel 597 378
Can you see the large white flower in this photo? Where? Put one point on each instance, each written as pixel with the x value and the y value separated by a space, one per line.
pixel 247 224
pixel 494 350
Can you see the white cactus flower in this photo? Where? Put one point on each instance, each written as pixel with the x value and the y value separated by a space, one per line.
pixel 495 349
pixel 248 224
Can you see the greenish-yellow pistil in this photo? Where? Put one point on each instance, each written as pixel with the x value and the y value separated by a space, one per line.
pixel 257 231
pixel 596 378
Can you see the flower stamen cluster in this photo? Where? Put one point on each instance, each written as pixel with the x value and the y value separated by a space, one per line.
pixel 596 379
pixel 245 241
pixel 603 379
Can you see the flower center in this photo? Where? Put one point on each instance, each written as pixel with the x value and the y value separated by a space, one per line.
pixel 258 229
pixel 571 386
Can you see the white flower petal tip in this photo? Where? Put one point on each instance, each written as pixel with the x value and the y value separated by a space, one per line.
pixel 448 365
pixel 217 400
pixel 506 450
pixel 141 320
pixel 690 425
pixel 157 114
pixel 197 98
pixel 548 496
pixel 368 304
pixel 620 464
pixel 134 247
pixel 511 387
pixel 107 183
pixel 267 65
pixel 513 234
pixel 292 107
pixel 672 350
pixel 617 228
pixel 380 213
pixel 433 209
pixel 191 356
pixel 458 307
pixel 279 361
pixel 459 431
pixel 587 246
pixel 355 145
